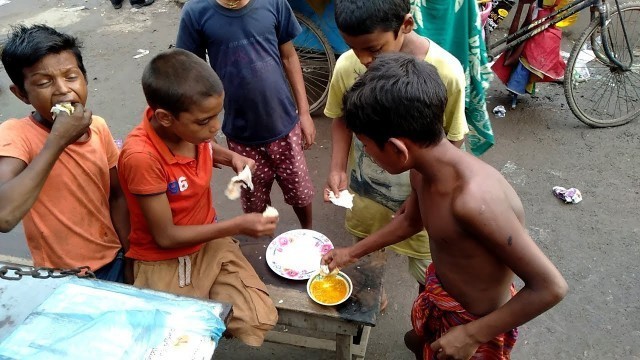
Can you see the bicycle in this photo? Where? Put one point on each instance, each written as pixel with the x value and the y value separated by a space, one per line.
pixel 602 60
pixel 317 61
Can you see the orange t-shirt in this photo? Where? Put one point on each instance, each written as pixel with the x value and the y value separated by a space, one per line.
pixel 148 167
pixel 69 224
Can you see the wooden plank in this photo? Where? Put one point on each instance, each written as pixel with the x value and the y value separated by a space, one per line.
pixel 314 323
pixel 343 347
pixel 299 340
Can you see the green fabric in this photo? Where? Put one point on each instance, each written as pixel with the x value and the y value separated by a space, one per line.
pixel 455 25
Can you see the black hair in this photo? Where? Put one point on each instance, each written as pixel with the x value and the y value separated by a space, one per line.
pixel 399 96
pixel 26 45
pixel 362 17
pixel 176 79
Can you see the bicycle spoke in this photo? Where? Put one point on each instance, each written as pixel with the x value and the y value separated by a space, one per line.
pixel 321 78
pixel 617 96
pixel 599 98
pixel 626 93
pixel 637 84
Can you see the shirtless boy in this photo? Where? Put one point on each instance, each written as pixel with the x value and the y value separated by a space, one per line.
pixel 473 216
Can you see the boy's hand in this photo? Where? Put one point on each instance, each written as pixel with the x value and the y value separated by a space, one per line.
pixel 67 129
pixel 336 182
pixel 401 210
pixel 338 258
pixel 456 344
pixel 238 162
pixel 256 225
pixel 308 130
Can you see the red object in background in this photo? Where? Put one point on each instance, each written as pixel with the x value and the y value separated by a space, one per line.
pixel 542 55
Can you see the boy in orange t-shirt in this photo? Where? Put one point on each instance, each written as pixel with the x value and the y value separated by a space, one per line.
pixel 166 165
pixel 59 174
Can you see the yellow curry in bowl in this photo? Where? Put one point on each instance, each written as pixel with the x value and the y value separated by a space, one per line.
pixel 329 290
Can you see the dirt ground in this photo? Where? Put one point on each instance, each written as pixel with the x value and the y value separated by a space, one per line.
pixel 539 145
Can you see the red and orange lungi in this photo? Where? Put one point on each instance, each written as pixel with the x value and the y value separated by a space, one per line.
pixel 434 312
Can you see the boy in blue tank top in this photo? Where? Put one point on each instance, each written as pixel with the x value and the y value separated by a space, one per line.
pixel 249 45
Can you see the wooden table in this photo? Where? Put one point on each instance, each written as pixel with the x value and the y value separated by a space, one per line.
pixel 344 328
pixel 19 298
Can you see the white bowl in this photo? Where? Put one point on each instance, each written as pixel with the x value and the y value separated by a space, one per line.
pixel 339 274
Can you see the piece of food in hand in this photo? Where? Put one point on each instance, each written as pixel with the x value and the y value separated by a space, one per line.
pixel 243 179
pixel 58 108
pixel 324 270
pixel 270 211
pixel 233 190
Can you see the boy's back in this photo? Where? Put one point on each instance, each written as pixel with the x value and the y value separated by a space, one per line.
pixel 469 272
pixel 242 46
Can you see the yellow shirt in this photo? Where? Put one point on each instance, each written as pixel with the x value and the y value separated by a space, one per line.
pixel 377 193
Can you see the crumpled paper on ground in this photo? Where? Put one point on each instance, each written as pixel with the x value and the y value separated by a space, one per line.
pixel 569 196
pixel 243 179
pixel 500 111
pixel 345 200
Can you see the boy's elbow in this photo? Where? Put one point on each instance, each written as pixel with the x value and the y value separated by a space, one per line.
pixel 7 223
pixel 164 242
pixel 558 291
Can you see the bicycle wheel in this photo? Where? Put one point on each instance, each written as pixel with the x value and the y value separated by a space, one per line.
pixel 317 61
pixel 598 93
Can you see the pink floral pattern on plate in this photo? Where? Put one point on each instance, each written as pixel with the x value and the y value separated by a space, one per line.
pixel 309 247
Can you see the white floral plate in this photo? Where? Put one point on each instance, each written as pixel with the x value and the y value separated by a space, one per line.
pixel 296 254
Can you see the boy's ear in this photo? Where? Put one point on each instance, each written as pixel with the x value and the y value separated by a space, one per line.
pixel 407 24
pixel 400 148
pixel 164 117
pixel 19 94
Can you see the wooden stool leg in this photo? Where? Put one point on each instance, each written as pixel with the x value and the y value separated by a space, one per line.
pixel 359 350
pixel 343 347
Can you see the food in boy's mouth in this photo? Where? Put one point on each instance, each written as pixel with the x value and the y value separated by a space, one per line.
pixel 270 211
pixel 58 108
pixel 329 290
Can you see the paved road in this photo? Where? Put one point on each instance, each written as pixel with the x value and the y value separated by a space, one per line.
pixel 540 144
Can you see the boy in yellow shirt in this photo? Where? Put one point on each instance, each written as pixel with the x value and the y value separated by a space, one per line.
pixel 372 27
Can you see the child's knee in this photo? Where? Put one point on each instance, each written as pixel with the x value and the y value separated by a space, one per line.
pixel 254 313
pixel 253 316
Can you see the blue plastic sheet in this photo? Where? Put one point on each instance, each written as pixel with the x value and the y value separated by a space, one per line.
pixel 102 320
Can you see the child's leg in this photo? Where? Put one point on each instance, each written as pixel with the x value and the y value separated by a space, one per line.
pixel 292 175
pixel 262 178
pixel 238 284
pixel 414 343
pixel 165 276
pixel 304 215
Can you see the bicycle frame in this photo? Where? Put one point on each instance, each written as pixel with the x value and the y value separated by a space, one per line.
pixel 525 33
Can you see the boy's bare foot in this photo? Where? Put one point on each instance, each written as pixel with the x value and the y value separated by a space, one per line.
pixel 384 301
pixel 414 343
